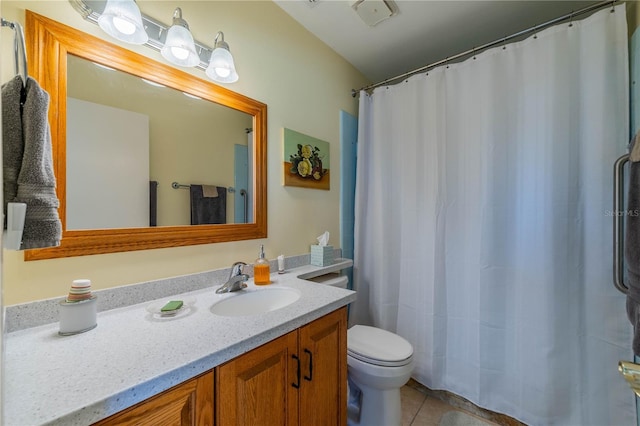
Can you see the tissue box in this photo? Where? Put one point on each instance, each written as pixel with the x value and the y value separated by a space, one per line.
pixel 321 255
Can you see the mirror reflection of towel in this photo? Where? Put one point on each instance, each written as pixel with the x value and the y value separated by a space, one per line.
pixel 208 210
pixel 153 203
pixel 209 191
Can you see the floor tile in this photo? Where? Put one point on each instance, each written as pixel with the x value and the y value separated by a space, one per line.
pixel 430 413
pixel 424 407
pixel 412 400
pixel 462 418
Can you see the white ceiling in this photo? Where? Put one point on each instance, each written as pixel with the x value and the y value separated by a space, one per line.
pixel 423 31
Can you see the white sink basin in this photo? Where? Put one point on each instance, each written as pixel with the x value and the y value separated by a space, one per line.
pixel 254 302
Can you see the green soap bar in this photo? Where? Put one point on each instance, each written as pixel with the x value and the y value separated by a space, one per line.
pixel 171 306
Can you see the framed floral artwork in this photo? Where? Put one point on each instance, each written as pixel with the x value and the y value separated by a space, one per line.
pixel 306 161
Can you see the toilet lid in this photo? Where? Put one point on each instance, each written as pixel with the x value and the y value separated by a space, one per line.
pixel 377 346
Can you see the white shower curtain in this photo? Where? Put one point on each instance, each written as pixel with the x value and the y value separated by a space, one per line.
pixel 483 224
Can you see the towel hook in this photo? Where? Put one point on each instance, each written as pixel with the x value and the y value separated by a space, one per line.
pixel 19 48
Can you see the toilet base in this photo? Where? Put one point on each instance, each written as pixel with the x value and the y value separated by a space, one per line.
pixel 372 412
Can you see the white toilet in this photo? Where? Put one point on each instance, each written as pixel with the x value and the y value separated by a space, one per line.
pixel 379 364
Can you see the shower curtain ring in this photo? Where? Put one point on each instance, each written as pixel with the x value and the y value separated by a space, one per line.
pixel 504 43
pixel 571 19
pixel 474 53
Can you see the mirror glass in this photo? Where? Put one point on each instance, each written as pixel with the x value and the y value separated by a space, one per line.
pixel 134 148
pixel 131 159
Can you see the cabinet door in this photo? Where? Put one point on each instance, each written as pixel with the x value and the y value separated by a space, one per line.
pixel 257 388
pixel 323 355
pixel 187 404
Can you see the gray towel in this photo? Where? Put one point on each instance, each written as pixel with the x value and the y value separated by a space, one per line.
pixel 633 314
pixel 36 180
pixel 12 140
pixel 208 210
pixel 632 250
pixel 634 149
pixel 153 203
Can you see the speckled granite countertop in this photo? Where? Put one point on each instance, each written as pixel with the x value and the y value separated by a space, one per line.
pixel 131 355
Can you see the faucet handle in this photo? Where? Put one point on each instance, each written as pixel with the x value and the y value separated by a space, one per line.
pixel 236 269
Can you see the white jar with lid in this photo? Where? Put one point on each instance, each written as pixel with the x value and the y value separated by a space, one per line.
pixel 79 311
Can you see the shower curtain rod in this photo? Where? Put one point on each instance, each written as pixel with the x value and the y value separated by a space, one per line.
pixel 475 50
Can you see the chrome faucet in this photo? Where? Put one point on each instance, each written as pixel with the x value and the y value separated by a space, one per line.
pixel 236 279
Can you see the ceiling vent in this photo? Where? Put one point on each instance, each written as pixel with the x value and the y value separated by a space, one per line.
pixel 312 3
pixel 372 12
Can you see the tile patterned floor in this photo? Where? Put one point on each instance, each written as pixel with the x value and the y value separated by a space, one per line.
pixel 421 407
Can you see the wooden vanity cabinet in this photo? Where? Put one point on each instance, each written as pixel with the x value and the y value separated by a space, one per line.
pixel 187 404
pixel 297 379
pixel 255 388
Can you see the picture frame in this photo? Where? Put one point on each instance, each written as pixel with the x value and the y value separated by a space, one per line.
pixel 306 161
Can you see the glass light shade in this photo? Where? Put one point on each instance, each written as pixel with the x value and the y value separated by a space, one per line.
pixel 122 20
pixel 179 47
pixel 221 67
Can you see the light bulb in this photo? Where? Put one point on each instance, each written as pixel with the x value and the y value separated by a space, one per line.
pixel 123 26
pixel 221 67
pixel 179 52
pixel 222 72
pixel 179 47
pixel 122 20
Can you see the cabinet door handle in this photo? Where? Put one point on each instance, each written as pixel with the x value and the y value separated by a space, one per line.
pixel 310 376
pixel 297 384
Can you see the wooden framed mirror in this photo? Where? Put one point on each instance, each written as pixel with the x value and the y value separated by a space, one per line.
pixel 50 48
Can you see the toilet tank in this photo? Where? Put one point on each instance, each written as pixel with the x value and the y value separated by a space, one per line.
pixel 333 279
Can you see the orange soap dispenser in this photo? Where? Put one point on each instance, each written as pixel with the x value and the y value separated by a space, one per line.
pixel 261 270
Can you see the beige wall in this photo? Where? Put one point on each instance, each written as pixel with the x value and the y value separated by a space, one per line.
pixel 305 85
pixel 633 16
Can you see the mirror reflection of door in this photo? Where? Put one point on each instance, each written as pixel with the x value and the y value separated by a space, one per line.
pixel 190 141
pixel 97 148
pixel 243 175
pixel 240 169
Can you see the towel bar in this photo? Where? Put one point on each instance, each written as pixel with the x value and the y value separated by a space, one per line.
pixel 243 193
pixel 176 185
pixel 618 231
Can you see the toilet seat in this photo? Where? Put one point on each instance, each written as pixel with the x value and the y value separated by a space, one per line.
pixel 378 347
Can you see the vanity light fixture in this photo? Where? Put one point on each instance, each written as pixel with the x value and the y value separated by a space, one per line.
pixel 122 20
pixel 179 47
pixel 221 67
pixel 217 63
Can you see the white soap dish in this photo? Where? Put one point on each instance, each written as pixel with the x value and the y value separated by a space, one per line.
pixel 156 314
